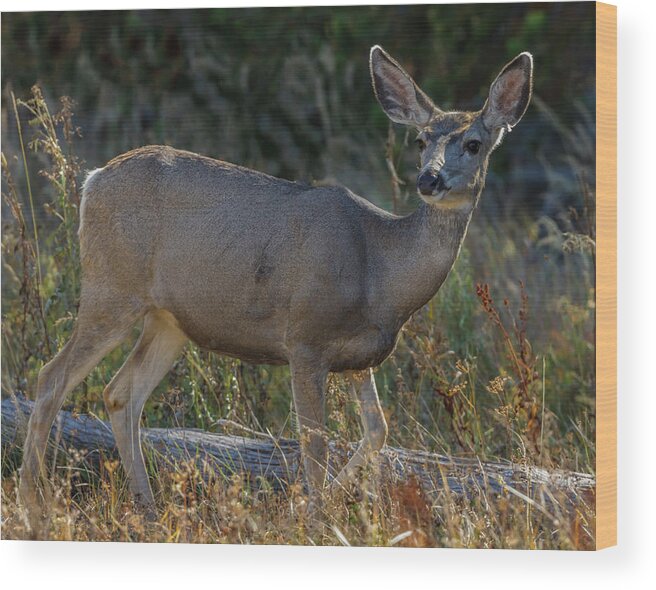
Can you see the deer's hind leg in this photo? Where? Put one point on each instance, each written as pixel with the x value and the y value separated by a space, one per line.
pixel 158 346
pixel 104 321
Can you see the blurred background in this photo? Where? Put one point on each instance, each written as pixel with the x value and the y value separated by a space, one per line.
pixel 287 91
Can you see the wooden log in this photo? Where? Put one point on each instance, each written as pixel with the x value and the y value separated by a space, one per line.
pixel 277 460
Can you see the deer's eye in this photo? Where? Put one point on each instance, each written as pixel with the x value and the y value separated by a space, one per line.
pixel 420 143
pixel 473 146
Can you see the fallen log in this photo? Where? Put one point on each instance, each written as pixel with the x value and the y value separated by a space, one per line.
pixel 278 460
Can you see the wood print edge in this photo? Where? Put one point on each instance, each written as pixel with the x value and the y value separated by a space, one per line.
pixel 606 275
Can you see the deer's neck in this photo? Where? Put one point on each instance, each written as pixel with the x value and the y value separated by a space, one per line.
pixel 420 251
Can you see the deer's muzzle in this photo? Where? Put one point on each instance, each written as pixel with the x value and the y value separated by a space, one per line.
pixel 430 183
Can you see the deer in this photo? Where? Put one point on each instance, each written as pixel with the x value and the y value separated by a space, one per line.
pixel 268 271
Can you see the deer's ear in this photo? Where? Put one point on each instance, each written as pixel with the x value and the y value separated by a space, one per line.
pixel 402 100
pixel 510 94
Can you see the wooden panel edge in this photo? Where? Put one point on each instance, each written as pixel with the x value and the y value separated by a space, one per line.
pixel 606 275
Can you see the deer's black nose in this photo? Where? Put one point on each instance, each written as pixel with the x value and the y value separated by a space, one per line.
pixel 429 182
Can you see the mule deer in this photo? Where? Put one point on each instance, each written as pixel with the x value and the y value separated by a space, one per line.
pixel 266 270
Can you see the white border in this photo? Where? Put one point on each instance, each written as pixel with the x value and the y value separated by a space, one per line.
pixel 631 565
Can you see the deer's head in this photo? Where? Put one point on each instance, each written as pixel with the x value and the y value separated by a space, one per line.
pixel 454 146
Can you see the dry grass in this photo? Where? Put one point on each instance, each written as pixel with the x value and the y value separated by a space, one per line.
pixel 195 509
pixel 501 366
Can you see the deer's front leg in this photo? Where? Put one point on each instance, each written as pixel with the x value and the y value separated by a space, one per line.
pixel 308 389
pixel 364 393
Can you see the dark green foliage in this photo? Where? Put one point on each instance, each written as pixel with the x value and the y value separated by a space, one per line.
pixel 287 90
